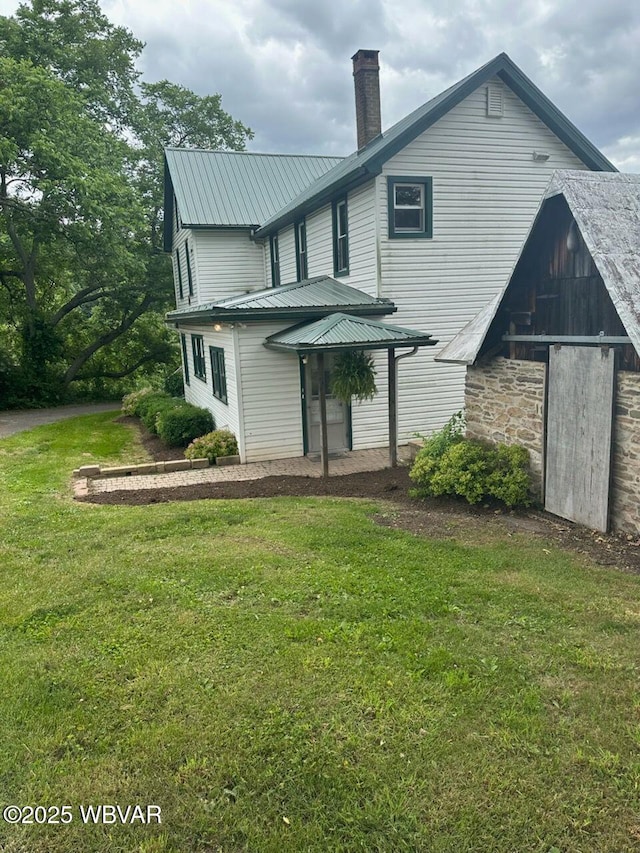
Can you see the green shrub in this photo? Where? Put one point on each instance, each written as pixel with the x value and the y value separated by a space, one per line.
pixel 130 402
pixel 220 442
pixel 174 383
pixel 180 424
pixel 150 407
pixel 449 464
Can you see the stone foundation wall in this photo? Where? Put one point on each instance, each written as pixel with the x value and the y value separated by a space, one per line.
pixel 504 402
pixel 625 479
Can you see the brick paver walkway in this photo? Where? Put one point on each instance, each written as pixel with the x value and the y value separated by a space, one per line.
pixel 351 463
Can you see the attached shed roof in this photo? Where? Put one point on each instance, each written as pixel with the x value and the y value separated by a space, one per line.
pixel 341 331
pixel 313 297
pixel 235 188
pixel 606 208
pixel 365 164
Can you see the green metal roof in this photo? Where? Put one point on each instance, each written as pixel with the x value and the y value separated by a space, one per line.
pixel 313 297
pixel 342 331
pixel 362 165
pixel 234 188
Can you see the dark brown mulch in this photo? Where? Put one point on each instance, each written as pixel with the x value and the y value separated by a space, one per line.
pixel 155 446
pixel 436 518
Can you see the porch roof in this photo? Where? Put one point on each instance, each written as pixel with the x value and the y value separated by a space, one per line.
pixel 308 299
pixel 341 331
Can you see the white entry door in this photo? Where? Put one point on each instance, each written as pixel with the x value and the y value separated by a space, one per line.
pixel 579 424
pixel 337 411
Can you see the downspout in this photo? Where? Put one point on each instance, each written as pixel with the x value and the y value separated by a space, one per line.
pixel 393 402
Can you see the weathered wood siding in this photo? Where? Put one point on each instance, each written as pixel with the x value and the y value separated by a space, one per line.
pixel 226 263
pixel 486 189
pixel 200 392
pixel 578 444
pixel 271 402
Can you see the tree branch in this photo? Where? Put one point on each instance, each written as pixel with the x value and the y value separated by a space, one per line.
pixel 120 374
pixel 104 340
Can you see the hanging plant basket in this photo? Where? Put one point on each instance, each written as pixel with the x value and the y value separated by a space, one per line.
pixel 353 376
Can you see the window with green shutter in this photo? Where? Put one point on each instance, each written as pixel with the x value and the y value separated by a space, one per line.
pixel 185 360
pixel 197 348
pixel 340 237
pixel 180 288
pixel 189 276
pixel 275 261
pixel 301 250
pixel 218 373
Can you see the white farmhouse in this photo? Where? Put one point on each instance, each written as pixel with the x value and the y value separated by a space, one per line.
pixel 423 223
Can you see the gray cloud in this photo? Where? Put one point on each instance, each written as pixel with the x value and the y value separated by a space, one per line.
pixel 283 66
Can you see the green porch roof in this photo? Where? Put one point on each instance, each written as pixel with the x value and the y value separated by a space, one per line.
pixel 342 331
pixel 308 299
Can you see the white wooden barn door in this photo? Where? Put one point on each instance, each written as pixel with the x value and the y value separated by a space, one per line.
pixel 579 426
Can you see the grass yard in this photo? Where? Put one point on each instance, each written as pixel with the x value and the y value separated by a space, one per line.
pixel 287 675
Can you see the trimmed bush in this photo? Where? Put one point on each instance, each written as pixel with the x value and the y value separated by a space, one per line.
pixel 449 464
pixel 150 407
pixel 174 383
pixel 220 442
pixel 131 402
pixel 180 424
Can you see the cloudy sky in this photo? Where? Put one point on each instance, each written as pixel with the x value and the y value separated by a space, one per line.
pixel 283 67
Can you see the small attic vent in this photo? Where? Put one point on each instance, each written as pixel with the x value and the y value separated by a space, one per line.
pixel 495 103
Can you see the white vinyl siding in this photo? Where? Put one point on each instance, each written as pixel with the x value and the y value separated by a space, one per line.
pixel 361 210
pixel 362 240
pixel 228 263
pixel 319 242
pixel 201 393
pixel 486 189
pixel 287 246
pixel 272 406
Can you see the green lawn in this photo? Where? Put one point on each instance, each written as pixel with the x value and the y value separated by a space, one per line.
pixel 286 675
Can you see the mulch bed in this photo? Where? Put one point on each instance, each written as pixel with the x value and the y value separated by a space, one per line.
pixel 155 446
pixel 436 518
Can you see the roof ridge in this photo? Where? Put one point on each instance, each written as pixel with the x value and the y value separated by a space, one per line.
pixel 183 150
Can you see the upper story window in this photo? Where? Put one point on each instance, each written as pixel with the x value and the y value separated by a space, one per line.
pixel 301 250
pixel 218 373
pixel 189 276
pixel 179 268
pixel 275 261
pixel 197 347
pixel 175 210
pixel 410 206
pixel 340 238
pixel 185 360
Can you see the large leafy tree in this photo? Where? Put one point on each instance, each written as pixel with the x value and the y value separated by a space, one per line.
pixel 83 282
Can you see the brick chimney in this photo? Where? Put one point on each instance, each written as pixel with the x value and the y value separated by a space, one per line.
pixel 367 84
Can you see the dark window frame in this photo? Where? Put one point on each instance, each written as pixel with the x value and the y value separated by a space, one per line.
pixel 180 284
pixel 189 275
pixel 274 249
pixel 199 364
pixel 218 373
pixel 340 238
pixel 426 185
pixel 185 360
pixel 302 263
